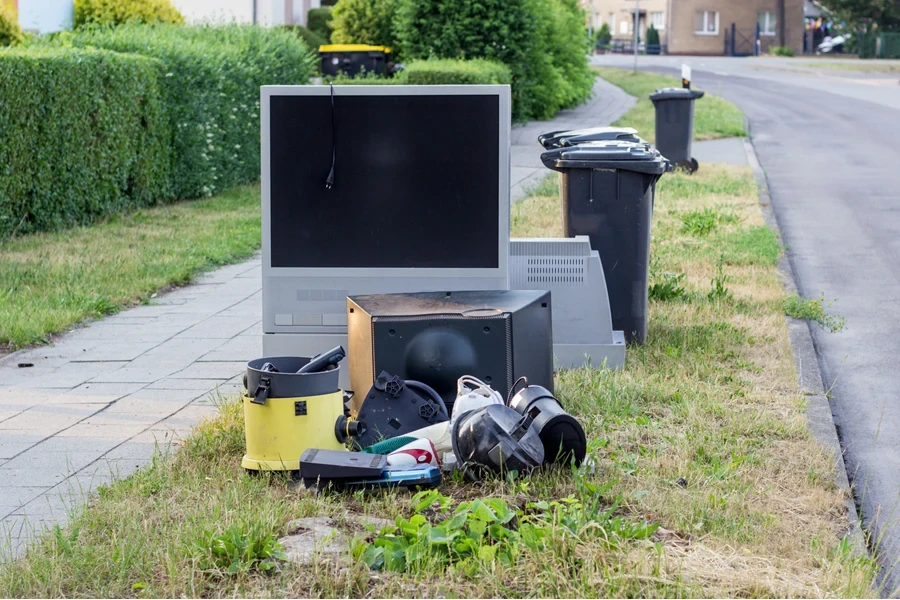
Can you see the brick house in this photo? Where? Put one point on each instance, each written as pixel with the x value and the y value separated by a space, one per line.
pixel 705 26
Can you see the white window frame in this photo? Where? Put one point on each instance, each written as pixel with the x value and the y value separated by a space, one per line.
pixel 706 14
pixel 771 20
pixel 659 16
pixel 612 23
pixel 624 27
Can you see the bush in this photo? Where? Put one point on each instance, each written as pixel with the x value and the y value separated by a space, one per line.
pixel 450 72
pixel 652 40
pixel 365 22
pixel 312 39
pixel 781 51
pixel 119 12
pixel 211 89
pixel 539 40
pixel 83 134
pixel 603 36
pixel 10 32
pixel 318 20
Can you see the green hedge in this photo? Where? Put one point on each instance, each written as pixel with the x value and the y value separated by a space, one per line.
pixel 211 90
pixel 543 42
pixel 83 133
pixel 448 72
pixel 318 20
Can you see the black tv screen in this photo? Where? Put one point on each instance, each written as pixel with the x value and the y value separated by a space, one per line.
pixel 416 181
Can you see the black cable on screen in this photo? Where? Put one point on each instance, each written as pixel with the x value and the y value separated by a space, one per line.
pixel 329 181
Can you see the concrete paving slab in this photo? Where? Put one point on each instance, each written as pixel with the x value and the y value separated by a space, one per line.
pixel 31 478
pixel 728 151
pixel 112 433
pixel 115 351
pixel 13 443
pixel 138 374
pixel 181 383
pixel 241 348
pixel 212 370
pixel 67 461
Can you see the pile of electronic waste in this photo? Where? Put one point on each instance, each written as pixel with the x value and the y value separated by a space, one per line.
pixel 403 432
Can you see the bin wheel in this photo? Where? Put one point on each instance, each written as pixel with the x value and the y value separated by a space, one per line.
pixel 688 166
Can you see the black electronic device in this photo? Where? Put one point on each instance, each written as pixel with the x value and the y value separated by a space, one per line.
pixel 325 361
pixel 436 338
pixel 324 466
pixel 561 434
pixel 495 439
pixel 394 407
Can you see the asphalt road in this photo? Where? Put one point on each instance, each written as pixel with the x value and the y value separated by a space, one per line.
pixel 829 143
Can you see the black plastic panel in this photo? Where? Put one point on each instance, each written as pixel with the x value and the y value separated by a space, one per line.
pixel 416 182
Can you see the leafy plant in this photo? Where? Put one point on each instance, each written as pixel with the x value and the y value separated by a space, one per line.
pixel 319 21
pixel 813 310
pixel 119 12
pixel 781 51
pixel 313 40
pixel 719 289
pixel 366 22
pixel 239 549
pixel 669 287
pixel 10 32
pixel 700 222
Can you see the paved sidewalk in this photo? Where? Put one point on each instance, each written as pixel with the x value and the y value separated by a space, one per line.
pixel 96 404
pixel 607 105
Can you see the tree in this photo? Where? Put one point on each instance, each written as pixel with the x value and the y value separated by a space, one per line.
pixel 884 13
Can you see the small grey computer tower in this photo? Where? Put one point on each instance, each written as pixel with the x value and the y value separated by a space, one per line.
pixel 572 272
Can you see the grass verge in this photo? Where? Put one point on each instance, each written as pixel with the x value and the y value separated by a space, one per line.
pixel 51 281
pixel 706 481
pixel 714 117
pixel 860 66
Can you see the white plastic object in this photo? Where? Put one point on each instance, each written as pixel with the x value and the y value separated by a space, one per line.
pixel 439 434
pixel 419 452
pixel 471 394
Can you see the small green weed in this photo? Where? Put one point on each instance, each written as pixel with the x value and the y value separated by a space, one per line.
pixel 813 310
pixel 548 186
pixel 700 222
pixel 719 290
pixel 668 288
pixel 781 51
pixel 240 549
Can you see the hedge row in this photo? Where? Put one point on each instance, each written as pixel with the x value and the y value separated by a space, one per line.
pixel 211 82
pixel 448 71
pixel 83 133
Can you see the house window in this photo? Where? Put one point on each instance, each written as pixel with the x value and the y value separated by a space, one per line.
pixel 658 20
pixel 612 22
pixel 766 21
pixel 624 26
pixel 706 22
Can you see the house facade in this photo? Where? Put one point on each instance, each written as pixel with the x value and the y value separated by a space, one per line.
pixel 704 26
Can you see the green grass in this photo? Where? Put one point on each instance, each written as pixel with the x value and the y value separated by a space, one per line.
pixel 706 482
pixel 51 281
pixel 714 117
pixel 862 66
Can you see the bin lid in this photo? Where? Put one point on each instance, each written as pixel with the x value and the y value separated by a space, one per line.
pixel 676 94
pixel 616 154
pixel 555 139
pixel 353 48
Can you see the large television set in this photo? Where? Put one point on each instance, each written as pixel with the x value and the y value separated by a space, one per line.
pixel 372 189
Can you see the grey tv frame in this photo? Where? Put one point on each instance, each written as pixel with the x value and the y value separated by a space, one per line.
pixel 326 288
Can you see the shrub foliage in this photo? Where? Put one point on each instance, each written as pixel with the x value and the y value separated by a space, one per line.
pixel 543 42
pixel 10 32
pixel 118 12
pixel 83 133
pixel 365 22
pixel 211 90
pixel 454 72
pixel 319 20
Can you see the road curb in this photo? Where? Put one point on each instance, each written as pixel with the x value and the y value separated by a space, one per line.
pixel 819 417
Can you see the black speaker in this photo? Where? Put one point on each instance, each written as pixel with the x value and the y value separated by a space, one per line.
pixel 437 337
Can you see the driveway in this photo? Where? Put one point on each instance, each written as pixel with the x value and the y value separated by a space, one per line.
pixel 829 142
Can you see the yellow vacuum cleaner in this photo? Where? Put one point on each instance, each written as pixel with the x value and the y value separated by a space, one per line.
pixel 291 404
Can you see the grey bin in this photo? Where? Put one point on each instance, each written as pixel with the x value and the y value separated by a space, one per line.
pixel 573 137
pixel 607 191
pixel 675 124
